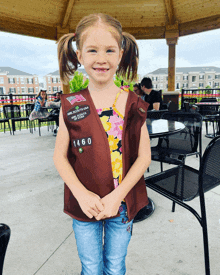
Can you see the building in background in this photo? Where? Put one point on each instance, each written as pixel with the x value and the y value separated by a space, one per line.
pixel 187 78
pixel 17 82
pixel 52 81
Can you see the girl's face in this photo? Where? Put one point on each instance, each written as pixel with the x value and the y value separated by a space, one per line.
pixel 100 54
pixel 43 94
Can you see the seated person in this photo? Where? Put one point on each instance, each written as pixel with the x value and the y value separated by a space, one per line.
pixel 151 96
pixel 137 89
pixel 41 100
pixel 55 113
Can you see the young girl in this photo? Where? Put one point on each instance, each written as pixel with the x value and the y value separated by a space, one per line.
pixel 41 100
pixel 102 148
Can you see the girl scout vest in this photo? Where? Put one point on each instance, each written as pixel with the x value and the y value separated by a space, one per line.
pixel 89 152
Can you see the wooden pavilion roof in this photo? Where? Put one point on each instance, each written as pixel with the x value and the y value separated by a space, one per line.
pixel 145 19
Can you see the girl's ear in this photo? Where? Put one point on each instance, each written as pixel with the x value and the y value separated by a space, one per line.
pixel 79 56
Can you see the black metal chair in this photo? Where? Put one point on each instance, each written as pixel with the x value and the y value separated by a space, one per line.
pixel 5 120
pixel 156 114
pixel 5 233
pixel 183 183
pixel 13 112
pixel 29 107
pixel 175 148
pixel 48 120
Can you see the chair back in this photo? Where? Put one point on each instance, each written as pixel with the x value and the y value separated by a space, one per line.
pixel 191 100
pixel 188 139
pixel 155 114
pixel 209 173
pixel 209 99
pixel 28 109
pixel 5 233
pixel 8 109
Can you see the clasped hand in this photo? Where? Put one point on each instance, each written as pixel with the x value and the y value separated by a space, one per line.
pixel 93 206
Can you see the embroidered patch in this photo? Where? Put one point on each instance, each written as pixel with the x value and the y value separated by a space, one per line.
pixel 76 114
pixel 75 98
pixel 82 142
pixel 142 110
pixel 129 228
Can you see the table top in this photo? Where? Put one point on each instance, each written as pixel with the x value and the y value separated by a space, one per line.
pixel 163 127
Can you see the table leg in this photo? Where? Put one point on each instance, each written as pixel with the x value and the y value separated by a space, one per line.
pixel 145 212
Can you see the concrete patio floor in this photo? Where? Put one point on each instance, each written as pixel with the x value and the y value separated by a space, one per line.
pixel 42 240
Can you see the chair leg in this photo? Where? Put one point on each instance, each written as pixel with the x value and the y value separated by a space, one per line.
pixel 39 127
pixel 9 127
pixel 161 166
pixel 205 233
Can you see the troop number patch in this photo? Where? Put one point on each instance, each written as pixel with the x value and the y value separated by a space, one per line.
pixel 82 142
pixel 78 113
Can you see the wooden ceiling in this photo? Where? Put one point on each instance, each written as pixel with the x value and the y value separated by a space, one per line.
pixel 145 19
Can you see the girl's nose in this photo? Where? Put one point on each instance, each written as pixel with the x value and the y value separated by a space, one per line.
pixel 101 58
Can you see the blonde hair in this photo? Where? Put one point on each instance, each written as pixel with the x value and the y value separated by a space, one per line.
pixel 68 62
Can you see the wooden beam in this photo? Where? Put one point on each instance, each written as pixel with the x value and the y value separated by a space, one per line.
pixel 170 11
pixel 200 25
pixel 67 13
pixel 146 33
pixel 12 25
pixel 61 31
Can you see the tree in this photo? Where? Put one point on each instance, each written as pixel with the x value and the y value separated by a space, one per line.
pixel 76 84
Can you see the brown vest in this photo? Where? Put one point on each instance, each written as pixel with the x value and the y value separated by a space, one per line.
pixel 89 152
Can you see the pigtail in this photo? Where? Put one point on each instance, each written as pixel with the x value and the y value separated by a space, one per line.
pixel 129 62
pixel 68 62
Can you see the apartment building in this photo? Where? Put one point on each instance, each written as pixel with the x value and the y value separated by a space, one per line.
pixel 17 82
pixel 52 81
pixel 187 78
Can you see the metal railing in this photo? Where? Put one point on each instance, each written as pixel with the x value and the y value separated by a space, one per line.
pixel 199 94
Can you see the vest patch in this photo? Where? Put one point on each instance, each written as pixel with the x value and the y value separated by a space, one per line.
pixel 82 142
pixel 78 113
pixel 75 98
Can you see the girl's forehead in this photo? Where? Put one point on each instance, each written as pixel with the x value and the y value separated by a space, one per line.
pixel 100 35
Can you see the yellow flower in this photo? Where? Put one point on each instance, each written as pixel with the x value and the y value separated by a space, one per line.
pixel 112 142
pixel 105 123
pixel 116 159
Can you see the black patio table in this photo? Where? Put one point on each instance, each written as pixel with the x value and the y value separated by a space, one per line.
pixel 157 128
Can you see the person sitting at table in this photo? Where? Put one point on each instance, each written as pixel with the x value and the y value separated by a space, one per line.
pixel 150 96
pixel 41 100
pixel 55 113
pixel 137 89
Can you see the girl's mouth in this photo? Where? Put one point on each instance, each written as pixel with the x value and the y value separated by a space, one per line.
pixel 100 70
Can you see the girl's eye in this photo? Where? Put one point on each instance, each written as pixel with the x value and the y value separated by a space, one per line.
pixel 111 51
pixel 92 51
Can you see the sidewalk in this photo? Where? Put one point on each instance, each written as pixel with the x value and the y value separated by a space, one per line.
pixel 42 240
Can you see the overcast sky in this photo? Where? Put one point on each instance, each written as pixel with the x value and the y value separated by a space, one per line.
pixel 39 56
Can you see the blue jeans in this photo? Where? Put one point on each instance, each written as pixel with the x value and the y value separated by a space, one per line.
pixel 107 259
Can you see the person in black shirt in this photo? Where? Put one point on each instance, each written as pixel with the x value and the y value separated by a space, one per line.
pixel 151 96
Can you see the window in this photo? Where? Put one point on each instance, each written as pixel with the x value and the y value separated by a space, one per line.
pixel 210 84
pixel 177 85
pixel 216 84
pixel 30 80
pixel 201 85
pixel 161 86
pixel 55 89
pixel 30 90
pixel 167 78
pixel 177 77
pixel 48 79
pixel 35 79
pixel 58 80
pixel 167 86
pixel 22 90
pixel 201 77
pixel 59 88
pixel 11 80
pixel 193 78
pixel 1 80
pixel 54 80
pixel 22 80
pixel 49 88
pixel 36 89
pixel 217 76
pixel 18 90
pixel 209 76
pixel 12 90
pixel 185 77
